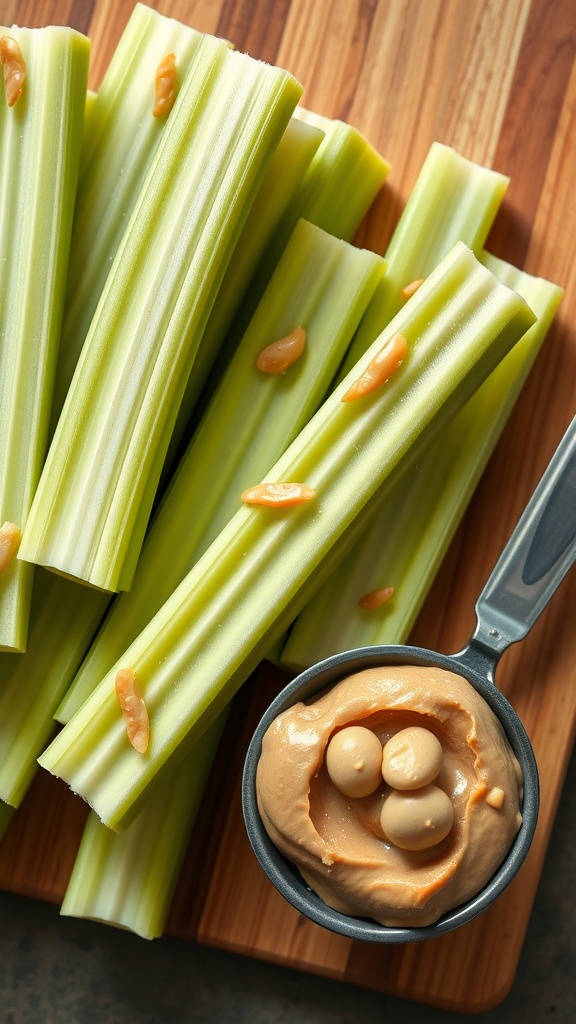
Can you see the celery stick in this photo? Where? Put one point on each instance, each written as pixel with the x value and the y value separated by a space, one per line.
pixel 407 540
pixel 6 813
pixel 452 201
pixel 120 140
pixel 121 137
pixel 283 175
pixel 321 283
pixel 208 636
pixel 338 189
pixel 94 497
pixel 64 617
pixel 40 139
pixel 346 161
pixel 128 879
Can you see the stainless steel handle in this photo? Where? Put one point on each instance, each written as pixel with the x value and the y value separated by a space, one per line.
pixel 536 558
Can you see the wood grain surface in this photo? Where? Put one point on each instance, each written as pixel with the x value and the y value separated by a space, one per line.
pixel 496 79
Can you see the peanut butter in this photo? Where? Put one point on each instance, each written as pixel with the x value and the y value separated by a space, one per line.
pixel 339 842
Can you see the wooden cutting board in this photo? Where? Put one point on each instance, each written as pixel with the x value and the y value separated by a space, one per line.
pixel 496 79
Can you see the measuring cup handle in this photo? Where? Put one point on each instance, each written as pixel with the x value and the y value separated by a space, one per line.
pixel 536 558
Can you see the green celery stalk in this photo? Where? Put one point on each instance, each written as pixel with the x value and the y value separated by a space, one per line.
pixel 406 541
pixel 63 619
pixel 453 200
pixel 244 590
pixel 321 283
pixel 6 813
pixel 121 137
pixel 128 879
pixel 283 175
pixel 337 190
pixel 40 140
pixel 346 161
pixel 94 498
pixel 120 140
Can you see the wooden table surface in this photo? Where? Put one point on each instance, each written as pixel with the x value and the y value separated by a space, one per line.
pixel 496 79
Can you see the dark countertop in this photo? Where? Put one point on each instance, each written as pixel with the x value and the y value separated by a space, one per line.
pixel 56 970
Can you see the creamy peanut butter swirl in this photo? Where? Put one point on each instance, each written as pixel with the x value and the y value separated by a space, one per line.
pixel 338 842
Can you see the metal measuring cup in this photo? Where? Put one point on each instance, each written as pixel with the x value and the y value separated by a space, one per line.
pixel 536 558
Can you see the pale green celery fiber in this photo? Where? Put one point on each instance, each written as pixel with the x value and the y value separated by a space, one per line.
pixel 337 190
pixel 406 541
pixel 40 140
pixel 120 140
pixel 94 498
pixel 128 879
pixel 236 600
pixel 346 162
pixel 322 284
pixel 63 619
pixel 283 176
pixel 453 200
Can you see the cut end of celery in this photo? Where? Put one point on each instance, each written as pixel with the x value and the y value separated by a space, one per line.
pixel 128 879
